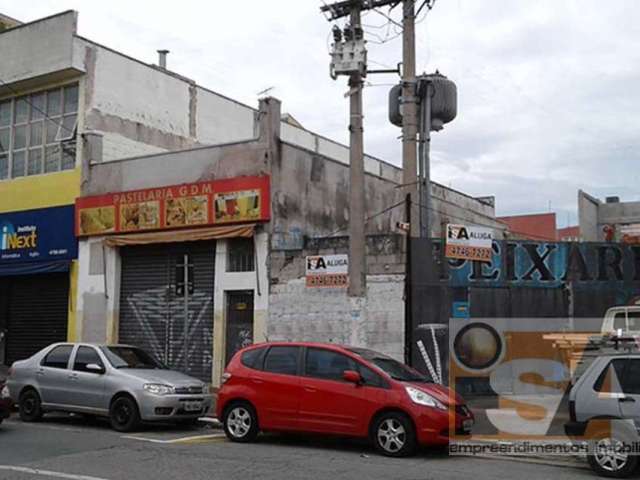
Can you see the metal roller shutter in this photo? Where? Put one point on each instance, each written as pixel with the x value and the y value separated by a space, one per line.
pixel 152 315
pixel 37 312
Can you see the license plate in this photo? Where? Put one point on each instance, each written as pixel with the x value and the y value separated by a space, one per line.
pixel 192 406
pixel 467 424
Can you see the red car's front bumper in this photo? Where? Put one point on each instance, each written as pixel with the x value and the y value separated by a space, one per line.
pixel 436 427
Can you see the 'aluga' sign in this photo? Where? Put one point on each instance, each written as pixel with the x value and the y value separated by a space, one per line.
pixel 468 242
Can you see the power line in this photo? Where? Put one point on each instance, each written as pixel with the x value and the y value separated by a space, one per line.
pixel 507 229
pixel 392 22
pixel 26 99
pixel 381 212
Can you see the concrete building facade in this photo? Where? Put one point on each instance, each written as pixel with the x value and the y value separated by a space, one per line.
pixel 130 139
pixel 308 217
pixel 611 220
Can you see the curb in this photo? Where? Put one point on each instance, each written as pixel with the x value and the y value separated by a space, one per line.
pixel 213 422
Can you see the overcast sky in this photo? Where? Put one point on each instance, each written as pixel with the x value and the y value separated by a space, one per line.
pixel 547 90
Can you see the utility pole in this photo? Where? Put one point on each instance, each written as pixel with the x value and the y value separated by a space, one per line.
pixel 357 240
pixel 410 112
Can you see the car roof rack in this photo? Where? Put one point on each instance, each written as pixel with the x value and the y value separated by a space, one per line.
pixel 616 343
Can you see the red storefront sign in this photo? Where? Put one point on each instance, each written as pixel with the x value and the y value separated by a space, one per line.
pixel 218 202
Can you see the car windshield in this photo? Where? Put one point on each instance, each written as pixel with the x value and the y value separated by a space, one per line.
pixel 395 369
pixel 131 357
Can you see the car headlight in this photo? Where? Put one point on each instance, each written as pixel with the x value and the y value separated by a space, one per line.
pixel 159 389
pixel 422 398
pixel 4 393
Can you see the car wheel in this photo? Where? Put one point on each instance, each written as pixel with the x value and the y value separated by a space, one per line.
pixel 124 414
pixel 240 422
pixel 393 435
pixel 610 457
pixel 30 406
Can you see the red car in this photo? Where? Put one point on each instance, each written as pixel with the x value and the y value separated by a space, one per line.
pixel 337 390
pixel 5 401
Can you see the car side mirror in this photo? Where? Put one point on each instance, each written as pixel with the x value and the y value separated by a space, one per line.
pixel 94 368
pixel 352 376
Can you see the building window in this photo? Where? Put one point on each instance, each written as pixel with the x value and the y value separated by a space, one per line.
pixel 38 131
pixel 241 255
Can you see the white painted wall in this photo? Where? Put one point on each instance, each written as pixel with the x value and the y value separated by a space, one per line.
pixel 134 91
pixel 23 57
pixel 299 313
pixel 98 295
pixel 229 281
pixel 221 120
pixel 116 146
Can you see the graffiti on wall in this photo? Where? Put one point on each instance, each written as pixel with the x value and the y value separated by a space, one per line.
pixel 540 264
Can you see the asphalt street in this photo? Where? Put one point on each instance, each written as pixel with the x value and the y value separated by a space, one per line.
pixel 86 449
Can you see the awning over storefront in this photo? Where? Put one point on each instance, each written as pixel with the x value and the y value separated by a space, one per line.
pixel 192 235
pixel 29 268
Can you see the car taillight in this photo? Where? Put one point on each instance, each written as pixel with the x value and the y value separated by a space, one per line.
pixel 225 376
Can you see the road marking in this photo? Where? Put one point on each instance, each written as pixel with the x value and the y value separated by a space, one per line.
pixel 191 439
pixel 48 473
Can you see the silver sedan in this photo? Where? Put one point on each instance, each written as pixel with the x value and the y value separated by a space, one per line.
pixel 120 382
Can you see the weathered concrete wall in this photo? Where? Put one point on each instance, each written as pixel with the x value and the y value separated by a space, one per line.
pixel 619 213
pixel 594 215
pixel 142 109
pixel 39 48
pixel 313 200
pixel 221 120
pixel 138 108
pixel 588 217
pixel 297 312
pixel 225 282
pixel 98 291
pixel 172 168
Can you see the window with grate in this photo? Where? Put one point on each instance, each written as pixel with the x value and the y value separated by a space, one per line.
pixel 240 255
pixel 37 132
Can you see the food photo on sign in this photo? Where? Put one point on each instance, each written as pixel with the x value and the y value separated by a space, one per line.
pixel 176 206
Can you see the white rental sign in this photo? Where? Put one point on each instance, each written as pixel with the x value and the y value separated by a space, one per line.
pixel 327 270
pixel 468 242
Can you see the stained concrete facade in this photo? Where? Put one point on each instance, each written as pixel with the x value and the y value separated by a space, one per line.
pixel 138 108
pixel 595 216
pixel 141 126
pixel 309 216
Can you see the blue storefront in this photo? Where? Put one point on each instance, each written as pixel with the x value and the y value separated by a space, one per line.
pixel 37 250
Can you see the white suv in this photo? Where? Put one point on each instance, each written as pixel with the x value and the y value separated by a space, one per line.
pixel 604 407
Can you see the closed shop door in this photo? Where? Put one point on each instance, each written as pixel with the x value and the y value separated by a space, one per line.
pixel 34 313
pixel 152 312
pixel 239 322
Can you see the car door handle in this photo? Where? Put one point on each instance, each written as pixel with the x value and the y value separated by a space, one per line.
pixel 73 376
pixel 257 381
pixel 310 389
pixel 626 399
pixel 40 372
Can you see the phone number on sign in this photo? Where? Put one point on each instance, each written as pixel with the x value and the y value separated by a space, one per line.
pixel 468 253
pixel 335 280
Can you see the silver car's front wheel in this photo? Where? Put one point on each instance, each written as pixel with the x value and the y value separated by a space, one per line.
pixel 612 457
pixel 241 423
pixel 610 454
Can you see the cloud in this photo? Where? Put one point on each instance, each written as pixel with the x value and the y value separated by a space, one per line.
pixel 547 90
